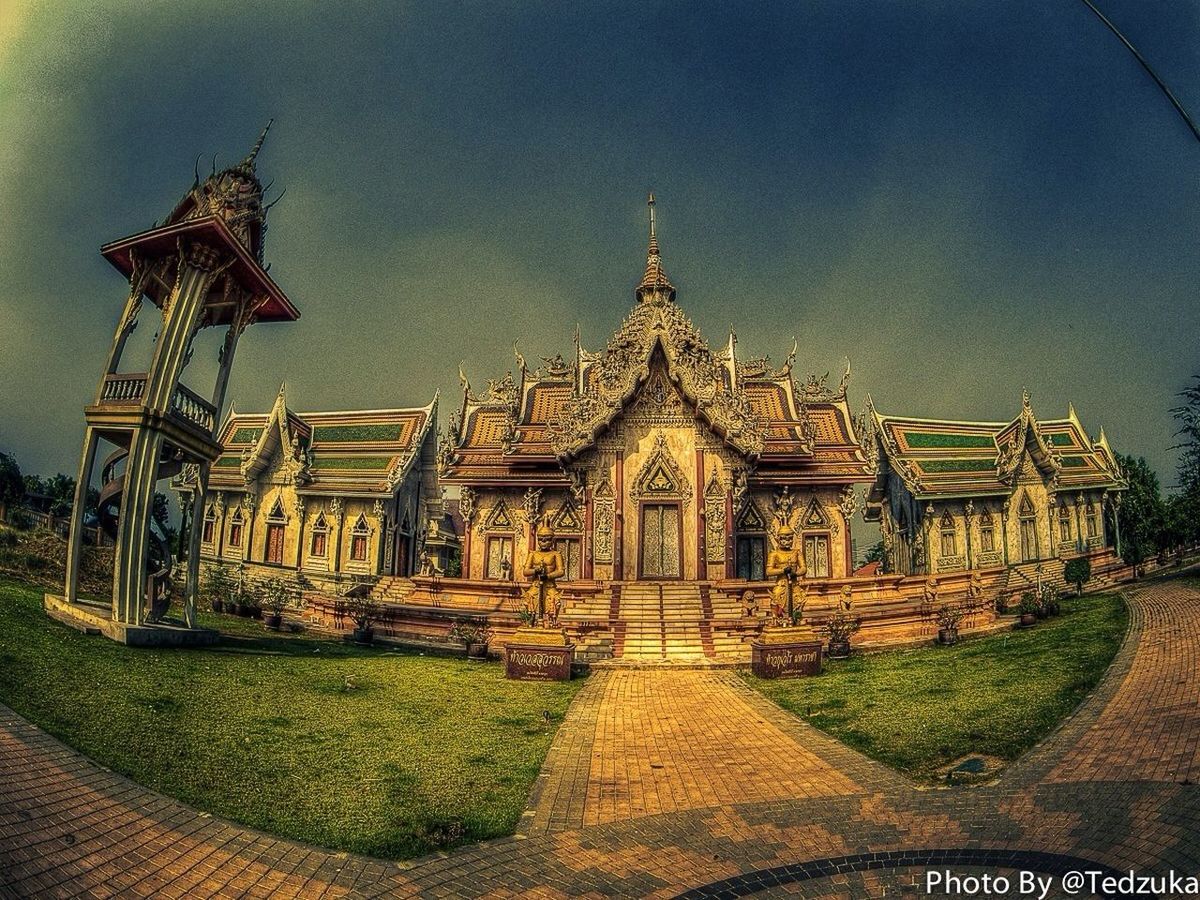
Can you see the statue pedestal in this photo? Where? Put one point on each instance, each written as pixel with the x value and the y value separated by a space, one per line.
pixel 538 654
pixel 786 653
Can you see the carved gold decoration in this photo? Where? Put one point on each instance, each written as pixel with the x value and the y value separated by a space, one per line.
pixel 626 365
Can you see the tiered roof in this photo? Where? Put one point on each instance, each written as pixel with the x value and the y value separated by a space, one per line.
pixel 938 458
pixel 532 425
pixel 358 452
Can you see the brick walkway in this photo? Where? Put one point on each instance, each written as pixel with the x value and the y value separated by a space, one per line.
pixel 663 782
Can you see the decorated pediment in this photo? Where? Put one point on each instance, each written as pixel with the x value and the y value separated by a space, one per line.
pixel 499 518
pixel 657 353
pixel 751 518
pixel 567 518
pixel 814 515
pixel 660 475
pixel 1024 452
pixel 278 453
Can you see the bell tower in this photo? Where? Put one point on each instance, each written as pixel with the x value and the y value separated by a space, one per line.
pixel 201 268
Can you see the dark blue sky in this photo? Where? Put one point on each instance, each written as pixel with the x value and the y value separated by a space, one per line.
pixel 964 197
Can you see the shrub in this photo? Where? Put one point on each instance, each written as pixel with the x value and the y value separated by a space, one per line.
pixel 949 615
pixel 1029 603
pixel 1078 572
pixel 36 563
pixel 273 594
pixel 8 538
pixel 20 519
pixel 470 631
pixel 218 584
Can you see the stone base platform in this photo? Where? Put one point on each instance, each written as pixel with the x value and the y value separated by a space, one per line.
pixel 92 618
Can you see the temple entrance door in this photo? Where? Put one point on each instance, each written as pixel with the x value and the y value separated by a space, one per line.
pixel 275 544
pixel 660 541
pixel 751 557
pixel 1028 539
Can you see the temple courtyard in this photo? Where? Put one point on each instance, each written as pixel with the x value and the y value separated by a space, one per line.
pixel 657 782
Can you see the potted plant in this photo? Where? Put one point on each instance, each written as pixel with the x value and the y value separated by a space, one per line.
pixel 1029 608
pixel 473 633
pixel 840 627
pixel 948 617
pixel 1050 600
pixel 217 586
pixel 273 597
pixel 363 611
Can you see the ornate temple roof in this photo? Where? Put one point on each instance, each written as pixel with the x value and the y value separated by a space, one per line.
pixel 343 453
pixel 938 458
pixel 227 208
pixel 532 424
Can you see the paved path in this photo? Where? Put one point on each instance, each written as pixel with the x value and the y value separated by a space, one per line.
pixel 661 782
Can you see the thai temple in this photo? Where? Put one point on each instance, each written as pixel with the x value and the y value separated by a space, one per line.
pixel 663 466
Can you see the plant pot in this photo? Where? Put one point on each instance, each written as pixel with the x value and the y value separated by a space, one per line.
pixel 243 610
pixel 477 651
pixel 947 636
pixel 255 612
pixel 1041 613
pixel 839 649
pixel 274 621
pixel 1028 619
pixel 363 635
pixel 217 606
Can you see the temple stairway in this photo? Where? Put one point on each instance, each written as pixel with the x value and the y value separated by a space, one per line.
pixel 662 619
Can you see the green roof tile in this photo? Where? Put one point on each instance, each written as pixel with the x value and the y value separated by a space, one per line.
pixel 937 440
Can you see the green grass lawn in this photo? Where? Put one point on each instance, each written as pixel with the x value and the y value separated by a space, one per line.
pixel 918 710
pixel 386 753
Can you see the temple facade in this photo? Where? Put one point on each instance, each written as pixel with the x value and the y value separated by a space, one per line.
pixel 325 496
pixel 1026 493
pixel 656 458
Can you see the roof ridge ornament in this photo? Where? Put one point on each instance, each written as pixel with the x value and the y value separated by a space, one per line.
pixel 654 286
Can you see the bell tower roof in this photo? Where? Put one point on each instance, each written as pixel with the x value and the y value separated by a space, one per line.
pixel 654 284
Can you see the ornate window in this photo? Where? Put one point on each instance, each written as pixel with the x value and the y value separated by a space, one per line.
pixel 1064 523
pixel 358 539
pixel 320 536
pixel 987 532
pixel 235 529
pixel 949 536
pixel 209 528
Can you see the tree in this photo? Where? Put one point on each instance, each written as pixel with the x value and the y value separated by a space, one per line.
pixel 874 553
pixel 1142 511
pixel 12 486
pixel 1078 572
pixel 60 489
pixel 1187 415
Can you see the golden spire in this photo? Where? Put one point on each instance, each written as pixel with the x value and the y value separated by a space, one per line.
pixel 655 280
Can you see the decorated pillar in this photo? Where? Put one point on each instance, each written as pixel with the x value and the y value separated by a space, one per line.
pixel 336 509
pixel 1080 545
pixel 968 515
pixel 1004 526
pixel 299 533
pixel 466 511
pixel 589 565
pixel 380 518
pixel 701 519
pixel 619 523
